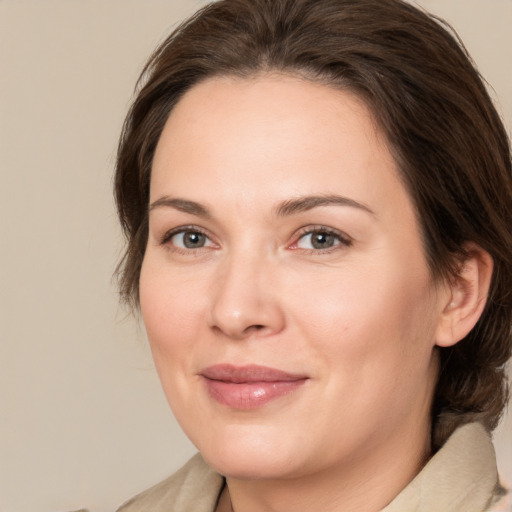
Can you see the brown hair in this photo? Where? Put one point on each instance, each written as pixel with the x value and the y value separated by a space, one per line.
pixel 429 100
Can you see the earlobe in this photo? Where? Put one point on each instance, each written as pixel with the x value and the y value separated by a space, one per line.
pixel 468 293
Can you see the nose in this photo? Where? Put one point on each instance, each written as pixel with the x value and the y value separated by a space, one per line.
pixel 246 301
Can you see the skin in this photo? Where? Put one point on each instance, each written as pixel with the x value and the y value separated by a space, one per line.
pixel 360 319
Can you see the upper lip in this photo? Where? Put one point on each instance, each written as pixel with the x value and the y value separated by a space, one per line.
pixel 248 373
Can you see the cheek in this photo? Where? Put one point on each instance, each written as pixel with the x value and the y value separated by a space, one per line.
pixel 170 310
pixel 378 319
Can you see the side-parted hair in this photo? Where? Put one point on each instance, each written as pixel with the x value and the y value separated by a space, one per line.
pixel 426 96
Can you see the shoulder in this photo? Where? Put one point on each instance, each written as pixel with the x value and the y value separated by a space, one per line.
pixel 195 486
pixel 462 475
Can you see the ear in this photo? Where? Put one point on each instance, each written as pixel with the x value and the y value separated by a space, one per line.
pixel 467 296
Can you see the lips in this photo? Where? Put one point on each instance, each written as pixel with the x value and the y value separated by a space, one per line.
pixel 249 387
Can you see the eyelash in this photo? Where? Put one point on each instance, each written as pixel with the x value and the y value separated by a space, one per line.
pixel 168 235
pixel 342 239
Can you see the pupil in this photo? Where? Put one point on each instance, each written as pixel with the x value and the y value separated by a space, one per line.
pixel 322 240
pixel 193 240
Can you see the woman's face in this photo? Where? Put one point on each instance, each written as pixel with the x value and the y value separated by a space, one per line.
pixel 287 300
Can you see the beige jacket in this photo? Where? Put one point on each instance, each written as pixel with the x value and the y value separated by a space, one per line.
pixel 460 477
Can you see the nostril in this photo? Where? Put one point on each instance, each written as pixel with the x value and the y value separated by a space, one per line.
pixel 254 327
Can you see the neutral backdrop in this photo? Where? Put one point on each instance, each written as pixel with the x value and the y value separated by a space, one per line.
pixel 83 422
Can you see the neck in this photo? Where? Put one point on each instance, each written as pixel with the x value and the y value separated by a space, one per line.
pixel 367 484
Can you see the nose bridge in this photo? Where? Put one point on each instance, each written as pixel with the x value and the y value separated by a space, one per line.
pixel 244 301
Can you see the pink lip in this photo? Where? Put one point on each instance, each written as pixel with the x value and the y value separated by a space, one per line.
pixel 248 387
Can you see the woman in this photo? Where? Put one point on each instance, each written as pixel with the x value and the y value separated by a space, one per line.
pixel 317 196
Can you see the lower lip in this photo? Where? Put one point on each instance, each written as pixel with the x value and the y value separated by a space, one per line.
pixel 250 395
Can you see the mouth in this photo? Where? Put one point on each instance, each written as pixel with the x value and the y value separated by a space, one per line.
pixel 249 387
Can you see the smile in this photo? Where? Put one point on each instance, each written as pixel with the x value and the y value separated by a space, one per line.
pixel 248 387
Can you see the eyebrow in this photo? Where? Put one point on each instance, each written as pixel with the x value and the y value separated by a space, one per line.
pixel 182 205
pixel 284 209
pixel 303 204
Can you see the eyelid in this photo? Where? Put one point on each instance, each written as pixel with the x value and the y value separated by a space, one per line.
pixel 166 237
pixel 345 240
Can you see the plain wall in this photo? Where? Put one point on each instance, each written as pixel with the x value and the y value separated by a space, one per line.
pixel 83 422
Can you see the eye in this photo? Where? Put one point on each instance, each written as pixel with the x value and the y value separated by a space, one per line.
pixel 190 239
pixel 321 239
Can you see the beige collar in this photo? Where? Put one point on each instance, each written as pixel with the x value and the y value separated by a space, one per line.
pixel 461 476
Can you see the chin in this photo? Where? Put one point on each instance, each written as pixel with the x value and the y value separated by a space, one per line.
pixel 251 466
pixel 250 455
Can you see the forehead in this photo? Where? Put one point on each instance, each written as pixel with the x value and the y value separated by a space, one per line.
pixel 269 107
pixel 273 137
